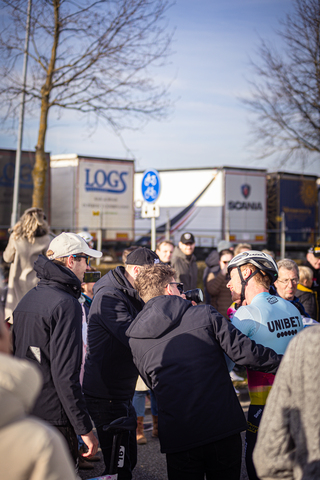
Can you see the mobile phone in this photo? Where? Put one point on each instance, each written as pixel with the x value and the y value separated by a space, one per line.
pixel 91 277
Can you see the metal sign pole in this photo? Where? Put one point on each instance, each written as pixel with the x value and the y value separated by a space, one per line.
pixel 153 234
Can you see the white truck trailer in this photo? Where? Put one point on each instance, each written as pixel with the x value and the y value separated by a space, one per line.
pixel 94 194
pixel 212 203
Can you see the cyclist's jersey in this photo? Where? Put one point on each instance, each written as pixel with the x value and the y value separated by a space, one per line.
pixel 272 322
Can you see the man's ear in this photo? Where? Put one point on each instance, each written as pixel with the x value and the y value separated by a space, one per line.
pixel 70 262
pixel 135 271
pixel 246 273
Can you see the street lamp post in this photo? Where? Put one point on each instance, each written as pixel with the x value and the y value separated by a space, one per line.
pixel 14 215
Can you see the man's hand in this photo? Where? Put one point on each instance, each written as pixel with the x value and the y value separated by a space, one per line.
pixel 182 295
pixel 92 443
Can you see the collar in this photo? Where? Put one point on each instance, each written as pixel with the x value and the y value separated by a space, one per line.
pixel 302 288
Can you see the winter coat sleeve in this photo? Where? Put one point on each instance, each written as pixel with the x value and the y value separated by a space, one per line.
pixel 66 356
pixel 273 453
pixel 288 439
pixel 240 349
pixel 10 251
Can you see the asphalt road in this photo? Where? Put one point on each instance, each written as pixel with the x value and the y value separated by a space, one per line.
pixel 151 463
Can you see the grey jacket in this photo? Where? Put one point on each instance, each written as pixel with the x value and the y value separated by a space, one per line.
pixel 186 269
pixel 288 444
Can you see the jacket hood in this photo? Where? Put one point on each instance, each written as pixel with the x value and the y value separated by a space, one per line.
pixel 50 272
pixel 116 279
pixel 212 260
pixel 20 384
pixel 158 316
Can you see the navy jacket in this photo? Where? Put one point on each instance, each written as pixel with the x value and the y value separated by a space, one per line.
pixel 109 369
pixel 179 351
pixel 47 325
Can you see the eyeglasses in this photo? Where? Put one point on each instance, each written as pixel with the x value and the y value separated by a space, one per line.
pixel 286 282
pixel 83 256
pixel 179 286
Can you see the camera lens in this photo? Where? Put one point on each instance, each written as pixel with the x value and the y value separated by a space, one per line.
pixel 195 295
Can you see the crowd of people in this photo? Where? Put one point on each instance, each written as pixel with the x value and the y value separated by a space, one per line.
pixel 88 353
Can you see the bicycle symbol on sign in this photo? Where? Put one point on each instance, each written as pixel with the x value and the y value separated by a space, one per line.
pixel 150 186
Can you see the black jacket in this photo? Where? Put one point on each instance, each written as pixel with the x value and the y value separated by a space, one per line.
pixel 109 369
pixel 179 351
pixel 47 325
pixel 308 298
pixel 316 281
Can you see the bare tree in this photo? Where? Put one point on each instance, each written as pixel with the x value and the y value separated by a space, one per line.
pixel 285 92
pixel 85 55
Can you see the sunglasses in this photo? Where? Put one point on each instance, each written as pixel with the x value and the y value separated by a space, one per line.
pixel 179 286
pixel 83 256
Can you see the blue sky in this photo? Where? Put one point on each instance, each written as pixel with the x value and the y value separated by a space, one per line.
pixel 208 125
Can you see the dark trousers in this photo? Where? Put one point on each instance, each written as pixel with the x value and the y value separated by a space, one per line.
pixel 220 460
pixel 103 412
pixel 72 440
pixel 254 419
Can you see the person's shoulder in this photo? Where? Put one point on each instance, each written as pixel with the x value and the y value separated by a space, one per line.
pixel 43 240
pixel 307 341
pixel 212 259
pixel 246 312
pixel 177 257
pixel 113 282
pixel 176 253
pixel 263 299
pixel 301 289
pixel 64 306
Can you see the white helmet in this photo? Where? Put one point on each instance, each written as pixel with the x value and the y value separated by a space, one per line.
pixel 261 260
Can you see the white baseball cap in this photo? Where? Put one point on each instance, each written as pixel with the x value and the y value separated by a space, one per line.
pixel 67 244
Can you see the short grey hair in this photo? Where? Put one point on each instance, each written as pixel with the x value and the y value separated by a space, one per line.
pixel 288 264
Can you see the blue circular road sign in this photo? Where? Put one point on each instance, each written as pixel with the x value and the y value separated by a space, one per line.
pixel 150 185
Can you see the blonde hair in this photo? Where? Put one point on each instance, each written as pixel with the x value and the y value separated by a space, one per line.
pixel 242 247
pixel 305 273
pixel 30 225
pixel 260 278
pixel 269 252
pixel 58 261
